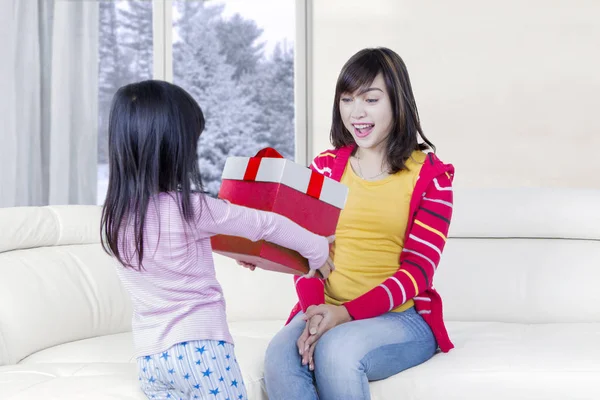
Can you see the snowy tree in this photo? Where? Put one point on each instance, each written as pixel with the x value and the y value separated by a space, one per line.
pixel 108 72
pixel 136 21
pixel 272 89
pixel 201 68
pixel 124 55
pixel 113 70
pixel 238 40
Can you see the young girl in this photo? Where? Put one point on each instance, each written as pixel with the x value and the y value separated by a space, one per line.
pixel 378 313
pixel 158 224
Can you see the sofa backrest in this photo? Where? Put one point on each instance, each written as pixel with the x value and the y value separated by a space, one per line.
pixel 518 255
pixel 56 283
pixel 514 255
pixel 522 255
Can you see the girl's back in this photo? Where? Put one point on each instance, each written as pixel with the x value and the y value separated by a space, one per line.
pixel 176 296
pixel 176 291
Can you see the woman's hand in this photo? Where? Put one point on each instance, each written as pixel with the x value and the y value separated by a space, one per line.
pixel 305 350
pixel 319 319
pixel 332 316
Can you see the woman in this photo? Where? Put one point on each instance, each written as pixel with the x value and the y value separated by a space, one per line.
pixel 377 314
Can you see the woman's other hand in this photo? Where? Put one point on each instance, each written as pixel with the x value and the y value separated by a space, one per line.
pixel 306 350
pixel 332 317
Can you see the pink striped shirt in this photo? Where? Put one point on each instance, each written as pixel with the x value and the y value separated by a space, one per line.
pixel 176 297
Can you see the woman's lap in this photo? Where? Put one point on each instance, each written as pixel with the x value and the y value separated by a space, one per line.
pixel 350 355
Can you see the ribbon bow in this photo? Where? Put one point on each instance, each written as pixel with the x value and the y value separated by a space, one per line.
pixel 315 184
pixel 268 152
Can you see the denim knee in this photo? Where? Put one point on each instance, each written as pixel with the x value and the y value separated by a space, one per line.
pixel 282 352
pixel 339 373
pixel 334 357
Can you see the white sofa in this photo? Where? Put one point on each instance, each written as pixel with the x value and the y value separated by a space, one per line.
pixel 519 277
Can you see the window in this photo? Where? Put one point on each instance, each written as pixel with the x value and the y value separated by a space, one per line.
pixel 235 57
pixel 125 54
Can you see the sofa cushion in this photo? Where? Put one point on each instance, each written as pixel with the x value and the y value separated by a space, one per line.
pixel 492 360
pixel 526 213
pixel 59 294
pixel 499 361
pixel 103 349
pixel 520 280
pixel 59 381
pixel 30 227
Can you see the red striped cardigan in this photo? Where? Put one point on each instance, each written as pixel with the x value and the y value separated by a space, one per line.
pixel 425 237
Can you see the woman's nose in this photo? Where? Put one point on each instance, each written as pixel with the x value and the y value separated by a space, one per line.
pixel 358 110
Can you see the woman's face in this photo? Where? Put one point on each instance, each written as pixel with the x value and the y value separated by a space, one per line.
pixel 367 114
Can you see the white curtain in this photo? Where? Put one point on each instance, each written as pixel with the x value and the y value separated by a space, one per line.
pixel 48 102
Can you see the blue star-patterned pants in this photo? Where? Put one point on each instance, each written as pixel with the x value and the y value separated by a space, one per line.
pixel 202 369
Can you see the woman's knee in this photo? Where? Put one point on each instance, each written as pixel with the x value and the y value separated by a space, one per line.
pixel 279 348
pixel 339 373
pixel 334 356
pixel 282 350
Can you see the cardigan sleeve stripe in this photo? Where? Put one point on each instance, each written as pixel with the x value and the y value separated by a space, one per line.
pixel 420 269
pixel 438 201
pixel 402 290
pixel 426 243
pixel 430 261
pixel 412 279
pixel 430 229
pixel 441 188
pixel 390 297
pixel 435 214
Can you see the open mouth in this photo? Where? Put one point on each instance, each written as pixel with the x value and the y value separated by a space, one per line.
pixel 363 130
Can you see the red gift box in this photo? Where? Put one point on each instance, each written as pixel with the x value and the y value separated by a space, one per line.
pixel 269 182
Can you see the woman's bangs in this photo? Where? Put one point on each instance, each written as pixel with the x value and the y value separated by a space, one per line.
pixel 358 76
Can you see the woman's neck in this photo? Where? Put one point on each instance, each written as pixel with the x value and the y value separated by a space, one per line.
pixel 371 157
pixel 370 163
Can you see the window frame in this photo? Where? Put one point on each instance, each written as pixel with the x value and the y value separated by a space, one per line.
pixel 162 25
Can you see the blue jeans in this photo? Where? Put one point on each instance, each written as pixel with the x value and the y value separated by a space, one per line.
pixel 347 357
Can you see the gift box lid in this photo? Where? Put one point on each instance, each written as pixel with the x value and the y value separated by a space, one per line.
pixel 288 173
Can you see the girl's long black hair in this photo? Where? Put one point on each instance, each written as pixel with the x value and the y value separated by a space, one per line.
pixel 153 133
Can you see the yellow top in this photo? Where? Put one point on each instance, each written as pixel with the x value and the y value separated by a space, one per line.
pixel 370 232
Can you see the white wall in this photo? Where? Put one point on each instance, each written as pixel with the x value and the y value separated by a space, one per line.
pixel 507 90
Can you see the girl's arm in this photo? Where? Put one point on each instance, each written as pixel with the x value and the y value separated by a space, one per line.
pixel 221 217
pixel 419 259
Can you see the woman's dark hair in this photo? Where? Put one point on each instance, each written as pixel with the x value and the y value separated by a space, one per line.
pixel 153 132
pixel 358 73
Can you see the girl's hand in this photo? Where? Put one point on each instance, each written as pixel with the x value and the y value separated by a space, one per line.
pixel 332 317
pixel 251 267
pixel 325 270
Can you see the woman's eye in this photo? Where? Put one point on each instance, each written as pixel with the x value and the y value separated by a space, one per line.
pixel 346 99
pixel 372 100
